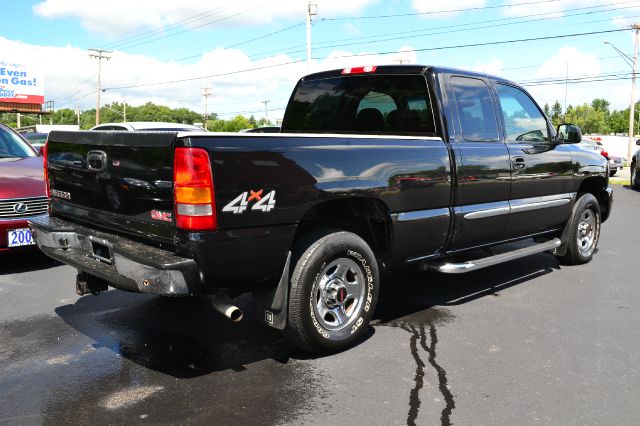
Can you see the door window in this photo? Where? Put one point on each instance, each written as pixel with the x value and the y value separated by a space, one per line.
pixel 523 120
pixel 475 109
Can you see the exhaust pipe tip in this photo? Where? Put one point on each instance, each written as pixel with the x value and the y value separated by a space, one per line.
pixel 234 313
pixel 230 311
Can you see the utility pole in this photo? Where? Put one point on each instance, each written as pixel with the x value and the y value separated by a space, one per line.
pixel 206 94
pixel 632 104
pixel 99 55
pixel 78 115
pixel 266 109
pixel 124 115
pixel 18 121
pixel 566 82
pixel 312 10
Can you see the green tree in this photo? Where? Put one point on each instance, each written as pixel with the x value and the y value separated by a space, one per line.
pixel 619 121
pixel 601 105
pixel 588 119
pixel 64 116
pixel 234 125
pixel 556 113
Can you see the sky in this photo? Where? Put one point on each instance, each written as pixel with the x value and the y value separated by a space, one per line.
pixel 251 51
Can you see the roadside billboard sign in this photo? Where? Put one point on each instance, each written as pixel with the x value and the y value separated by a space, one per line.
pixel 20 83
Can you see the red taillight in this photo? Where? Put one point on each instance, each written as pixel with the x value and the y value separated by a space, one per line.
pixel 360 70
pixel 45 165
pixel 193 190
pixel 604 153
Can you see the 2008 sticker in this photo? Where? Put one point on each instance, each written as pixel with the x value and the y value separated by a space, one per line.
pixel 240 204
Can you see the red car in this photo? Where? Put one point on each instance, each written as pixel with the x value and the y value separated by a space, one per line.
pixel 22 190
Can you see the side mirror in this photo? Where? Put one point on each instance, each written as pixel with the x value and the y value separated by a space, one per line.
pixel 569 133
pixel 638 142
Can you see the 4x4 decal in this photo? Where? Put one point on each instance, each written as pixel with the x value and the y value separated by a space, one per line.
pixel 262 202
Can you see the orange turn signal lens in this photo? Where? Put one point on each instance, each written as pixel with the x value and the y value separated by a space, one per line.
pixel 190 195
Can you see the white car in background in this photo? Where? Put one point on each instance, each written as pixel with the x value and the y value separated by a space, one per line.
pixel 615 163
pixel 142 126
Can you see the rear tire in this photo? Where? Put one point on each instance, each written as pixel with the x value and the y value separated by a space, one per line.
pixel 635 182
pixel 334 291
pixel 584 231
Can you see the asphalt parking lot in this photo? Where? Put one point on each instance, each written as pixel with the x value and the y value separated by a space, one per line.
pixel 529 342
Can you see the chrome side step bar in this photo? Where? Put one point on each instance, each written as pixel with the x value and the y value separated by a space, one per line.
pixel 473 265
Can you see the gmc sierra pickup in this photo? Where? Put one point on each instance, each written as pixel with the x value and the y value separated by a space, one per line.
pixel 375 168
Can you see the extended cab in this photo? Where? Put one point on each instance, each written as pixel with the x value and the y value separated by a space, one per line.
pixel 375 168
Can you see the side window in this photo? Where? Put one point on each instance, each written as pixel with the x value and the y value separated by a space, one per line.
pixel 523 120
pixel 475 109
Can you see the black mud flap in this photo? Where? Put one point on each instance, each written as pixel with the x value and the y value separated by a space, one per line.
pixel 271 305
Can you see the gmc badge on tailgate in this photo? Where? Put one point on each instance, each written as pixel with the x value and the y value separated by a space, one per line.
pixel 160 215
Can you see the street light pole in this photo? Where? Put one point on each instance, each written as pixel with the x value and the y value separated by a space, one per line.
pixel 632 104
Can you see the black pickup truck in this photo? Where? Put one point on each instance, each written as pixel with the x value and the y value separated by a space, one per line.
pixel 376 168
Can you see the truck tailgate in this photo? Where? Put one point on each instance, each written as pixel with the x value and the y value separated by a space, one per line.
pixel 121 181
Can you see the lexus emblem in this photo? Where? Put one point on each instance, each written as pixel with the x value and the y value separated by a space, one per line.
pixel 20 208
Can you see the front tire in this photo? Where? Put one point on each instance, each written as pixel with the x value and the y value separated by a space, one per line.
pixel 584 231
pixel 334 291
pixel 635 182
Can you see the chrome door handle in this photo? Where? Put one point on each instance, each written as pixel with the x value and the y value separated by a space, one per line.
pixel 517 163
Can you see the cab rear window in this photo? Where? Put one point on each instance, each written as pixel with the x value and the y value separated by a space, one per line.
pixel 363 104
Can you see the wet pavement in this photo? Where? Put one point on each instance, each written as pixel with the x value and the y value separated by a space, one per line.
pixel 529 342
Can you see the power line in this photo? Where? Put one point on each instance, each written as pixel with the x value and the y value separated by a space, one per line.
pixel 159 30
pixel 478 27
pixel 537 65
pixel 245 42
pixel 436 12
pixel 561 80
pixel 209 76
pixel 75 99
pixel 593 80
pixel 129 46
pixel 496 23
pixel 70 93
pixel 430 31
pixel 493 43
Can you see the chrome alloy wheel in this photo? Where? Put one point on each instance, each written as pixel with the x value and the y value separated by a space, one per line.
pixel 338 294
pixel 586 234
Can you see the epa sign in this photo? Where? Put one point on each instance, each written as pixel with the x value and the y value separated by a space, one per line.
pixel 20 83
